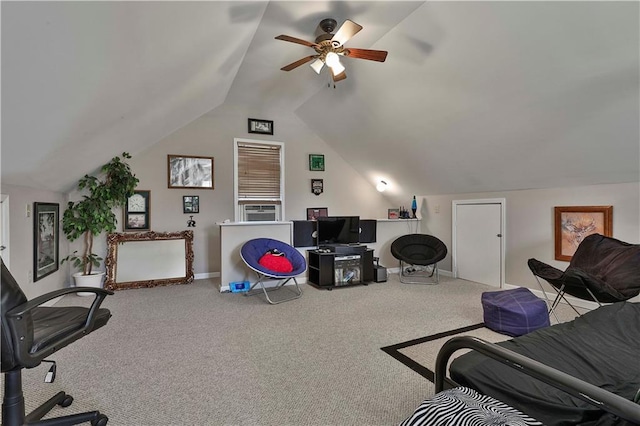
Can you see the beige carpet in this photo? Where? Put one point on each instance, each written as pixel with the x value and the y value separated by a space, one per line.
pixel 420 354
pixel 189 355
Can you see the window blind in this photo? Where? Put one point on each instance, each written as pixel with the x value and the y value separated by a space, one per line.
pixel 258 172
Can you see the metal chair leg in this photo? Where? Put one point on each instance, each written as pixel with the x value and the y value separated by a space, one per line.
pixel 404 278
pixel 297 293
pixel 551 309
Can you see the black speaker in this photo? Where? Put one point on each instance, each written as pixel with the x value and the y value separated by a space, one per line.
pixel 379 274
pixel 368 230
pixel 304 233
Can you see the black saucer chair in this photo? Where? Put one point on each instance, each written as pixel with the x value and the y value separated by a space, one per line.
pixel 603 270
pixel 419 255
pixel 30 333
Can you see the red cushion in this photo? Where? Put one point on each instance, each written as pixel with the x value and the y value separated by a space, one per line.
pixel 276 263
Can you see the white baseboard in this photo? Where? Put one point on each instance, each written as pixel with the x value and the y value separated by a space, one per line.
pixel 206 275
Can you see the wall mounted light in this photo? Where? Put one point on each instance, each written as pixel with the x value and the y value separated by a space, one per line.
pixel 381 186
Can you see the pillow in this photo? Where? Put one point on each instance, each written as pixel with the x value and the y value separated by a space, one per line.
pixel 276 261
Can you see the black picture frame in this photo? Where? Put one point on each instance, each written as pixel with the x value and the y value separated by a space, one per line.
pixel 316 162
pixel 317 186
pixel 190 204
pixel 189 171
pixel 138 220
pixel 264 127
pixel 46 239
pixel 313 213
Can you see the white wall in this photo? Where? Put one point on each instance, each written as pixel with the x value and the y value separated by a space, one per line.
pixel 21 239
pixel 530 221
pixel 345 191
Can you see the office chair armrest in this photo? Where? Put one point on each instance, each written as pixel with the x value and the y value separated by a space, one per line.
pixel 21 327
pixel 37 301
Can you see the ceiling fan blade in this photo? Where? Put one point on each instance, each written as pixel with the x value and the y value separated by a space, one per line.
pixel 299 62
pixel 346 31
pixel 372 55
pixel 295 40
pixel 340 76
pixel 317 65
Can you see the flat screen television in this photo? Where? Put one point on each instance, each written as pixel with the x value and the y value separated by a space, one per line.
pixel 335 230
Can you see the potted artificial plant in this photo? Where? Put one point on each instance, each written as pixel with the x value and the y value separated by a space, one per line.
pixel 94 215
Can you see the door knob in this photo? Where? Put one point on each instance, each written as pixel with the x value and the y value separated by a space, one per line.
pixel 499 235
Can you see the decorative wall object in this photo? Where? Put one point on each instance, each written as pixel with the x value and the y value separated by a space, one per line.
pixel 190 204
pixel 314 213
pixel 317 186
pixel 46 235
pixel 316 162
pixel 186 171
pixel 393 214
pixel 137 211
pixel 149 259
pixel 574 223
pixel 264 127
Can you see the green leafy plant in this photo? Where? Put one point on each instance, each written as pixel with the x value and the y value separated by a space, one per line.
pixel 94 214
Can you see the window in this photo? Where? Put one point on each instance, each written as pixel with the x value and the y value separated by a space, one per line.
pixel 259 177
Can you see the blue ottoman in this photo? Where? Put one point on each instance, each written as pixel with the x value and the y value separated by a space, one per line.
pixel 514 312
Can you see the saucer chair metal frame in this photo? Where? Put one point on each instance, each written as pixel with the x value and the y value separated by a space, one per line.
pixel 418 255
pixel 253 250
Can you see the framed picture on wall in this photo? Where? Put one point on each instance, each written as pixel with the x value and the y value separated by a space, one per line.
pixel 574 223
pixel 264 127
pixel 185 171
pixel 137 211
pixel 314 213
pixel 316 162
pixel 190 204
pixel 46 235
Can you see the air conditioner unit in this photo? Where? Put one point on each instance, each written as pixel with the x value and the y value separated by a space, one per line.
pixel 260 212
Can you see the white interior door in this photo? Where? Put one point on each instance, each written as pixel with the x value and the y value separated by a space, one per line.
pixel 478 241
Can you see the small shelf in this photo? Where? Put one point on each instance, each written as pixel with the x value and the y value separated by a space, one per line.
pixel 358 265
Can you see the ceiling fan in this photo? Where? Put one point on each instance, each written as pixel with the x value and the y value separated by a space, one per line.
pixel 329 47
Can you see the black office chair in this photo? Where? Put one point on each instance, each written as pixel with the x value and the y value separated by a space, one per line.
pixel 603 269
pixel 30 333
pixel 419 255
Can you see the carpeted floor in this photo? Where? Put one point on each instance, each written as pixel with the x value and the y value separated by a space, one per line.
pixel 189 355
pixel 420 354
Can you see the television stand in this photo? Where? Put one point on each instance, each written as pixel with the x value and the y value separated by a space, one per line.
pixel 345 266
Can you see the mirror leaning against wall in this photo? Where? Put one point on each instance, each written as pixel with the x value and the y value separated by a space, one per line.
pixel 149 259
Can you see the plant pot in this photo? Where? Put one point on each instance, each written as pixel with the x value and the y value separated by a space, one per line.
pixel 93 280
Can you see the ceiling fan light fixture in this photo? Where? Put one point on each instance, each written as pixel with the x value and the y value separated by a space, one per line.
pixel 317 65
pixel 332 59
pixel 337 69
pixel 329 47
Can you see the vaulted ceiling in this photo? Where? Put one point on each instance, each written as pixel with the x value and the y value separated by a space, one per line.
pixel 474 96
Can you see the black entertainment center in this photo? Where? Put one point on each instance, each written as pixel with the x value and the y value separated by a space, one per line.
pixel 340 260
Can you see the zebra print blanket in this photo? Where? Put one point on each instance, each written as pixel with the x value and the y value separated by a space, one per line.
pixel 463 406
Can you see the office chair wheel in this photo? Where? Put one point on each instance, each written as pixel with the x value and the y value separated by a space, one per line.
pixel 100 421
pixel 66 401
